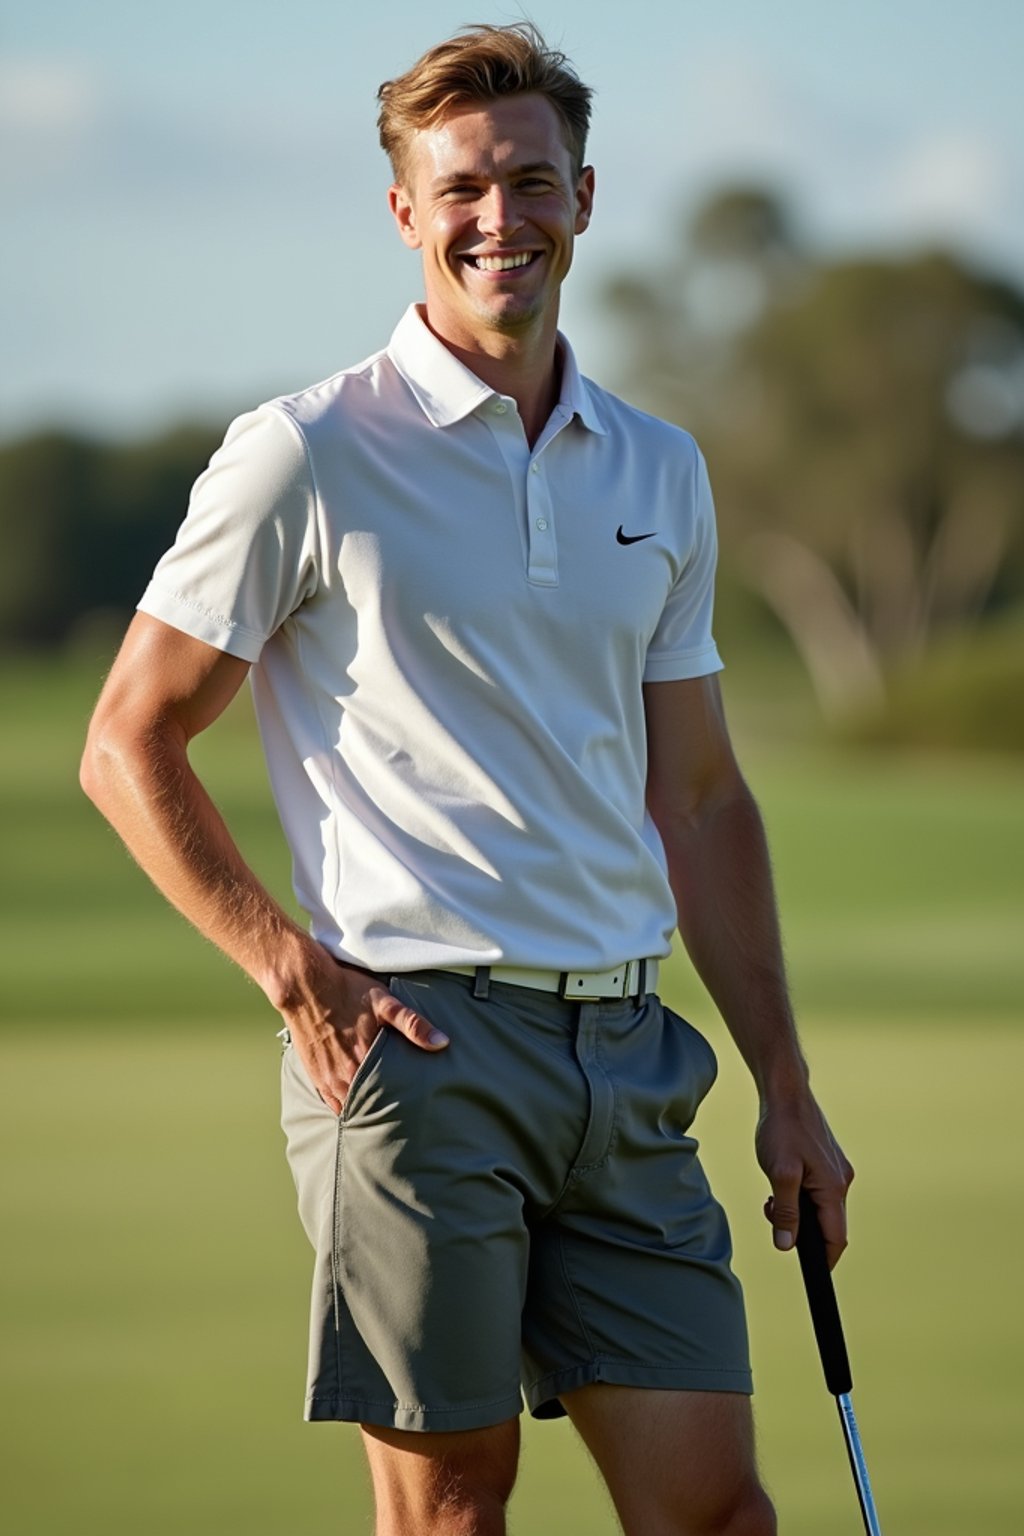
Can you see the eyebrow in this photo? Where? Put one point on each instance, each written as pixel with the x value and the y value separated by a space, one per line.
pixel 458 177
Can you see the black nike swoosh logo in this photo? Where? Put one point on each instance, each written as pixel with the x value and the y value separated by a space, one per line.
pixel 631 538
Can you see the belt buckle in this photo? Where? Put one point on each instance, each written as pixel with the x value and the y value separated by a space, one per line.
pixel 598 984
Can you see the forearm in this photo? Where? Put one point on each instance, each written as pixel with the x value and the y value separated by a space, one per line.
pixel 144 785
pixel 721 877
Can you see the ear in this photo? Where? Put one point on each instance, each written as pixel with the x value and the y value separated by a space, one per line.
pixel 401 207
pixel 584 199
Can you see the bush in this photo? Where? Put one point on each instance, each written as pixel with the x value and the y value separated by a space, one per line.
pixel 966 694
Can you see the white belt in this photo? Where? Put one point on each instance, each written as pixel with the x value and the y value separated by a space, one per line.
pixel 585 986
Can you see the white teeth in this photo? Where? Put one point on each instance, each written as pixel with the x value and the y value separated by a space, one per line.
pixel 502 263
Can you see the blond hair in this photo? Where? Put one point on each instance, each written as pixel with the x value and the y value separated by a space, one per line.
pixel 478 64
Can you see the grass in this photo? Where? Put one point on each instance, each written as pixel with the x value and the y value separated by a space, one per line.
pixel 899 878
pixel 154 1311
pixel 154 1280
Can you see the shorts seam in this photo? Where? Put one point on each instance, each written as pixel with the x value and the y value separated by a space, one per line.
pixel 336 1255
pixel 710 1378
pixel 650 1365
pixel 581 1169
pixel 639 1365
pixel 576 1304
pixel 393 1405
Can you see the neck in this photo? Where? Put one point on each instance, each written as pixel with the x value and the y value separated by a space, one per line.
pixel 526 368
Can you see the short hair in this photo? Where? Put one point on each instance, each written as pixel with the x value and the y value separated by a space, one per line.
pixel 479 64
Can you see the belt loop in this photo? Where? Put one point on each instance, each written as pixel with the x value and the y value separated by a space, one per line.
pixel 482 982
pixel 641 982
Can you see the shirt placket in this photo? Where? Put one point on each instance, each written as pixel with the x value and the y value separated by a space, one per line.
pixel 542 561
pixel 528 473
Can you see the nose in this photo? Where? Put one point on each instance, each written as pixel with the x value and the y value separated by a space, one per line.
pixel 499 216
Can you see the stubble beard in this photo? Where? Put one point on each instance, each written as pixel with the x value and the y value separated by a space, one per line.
pixel 521 316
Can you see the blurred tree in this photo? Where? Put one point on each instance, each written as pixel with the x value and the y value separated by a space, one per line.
pixel 83 524
pixel 864 422
pixel 45 490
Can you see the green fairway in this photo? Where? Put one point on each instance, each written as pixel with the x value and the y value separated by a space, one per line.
pixel 154 1276
pixel 900 879
pixel 154 1311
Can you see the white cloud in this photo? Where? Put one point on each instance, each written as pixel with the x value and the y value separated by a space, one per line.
pixel 46 109
pixel 945 181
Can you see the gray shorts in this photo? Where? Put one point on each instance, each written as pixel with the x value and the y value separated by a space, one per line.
pixel 520 1212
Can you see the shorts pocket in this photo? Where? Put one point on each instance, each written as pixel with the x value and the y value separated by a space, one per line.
pixel 364 1069
pixel 295 1078
pixel 700 1053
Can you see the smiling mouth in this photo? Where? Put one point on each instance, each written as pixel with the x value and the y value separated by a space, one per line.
pixel 501 263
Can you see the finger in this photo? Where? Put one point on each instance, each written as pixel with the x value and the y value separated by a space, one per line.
pixel 831 1213
pixel 397 1015
pixel 331 1085
pixel 782 1208
pixel 334 1104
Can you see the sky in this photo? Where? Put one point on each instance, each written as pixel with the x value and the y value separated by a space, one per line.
pixel 194 199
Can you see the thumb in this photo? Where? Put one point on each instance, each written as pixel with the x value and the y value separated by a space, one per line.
pixel 396 1015
pixel 782 1208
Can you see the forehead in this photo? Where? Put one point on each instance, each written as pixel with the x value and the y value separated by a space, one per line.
pixel 491 136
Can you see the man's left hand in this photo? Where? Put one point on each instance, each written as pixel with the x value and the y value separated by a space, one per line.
pixel 796 1149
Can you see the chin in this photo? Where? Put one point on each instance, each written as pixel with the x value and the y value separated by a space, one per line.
pixel 513 317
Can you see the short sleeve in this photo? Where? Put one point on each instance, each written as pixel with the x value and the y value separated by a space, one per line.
pixel 682 645
pixel 245 557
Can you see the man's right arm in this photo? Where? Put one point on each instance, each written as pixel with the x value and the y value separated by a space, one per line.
pixel 164 688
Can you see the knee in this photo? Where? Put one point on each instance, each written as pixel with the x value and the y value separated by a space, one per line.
pixel 443 1485
pixel 462 1510
pixel 466 1504
pixel 749 1513
pixel 755 1516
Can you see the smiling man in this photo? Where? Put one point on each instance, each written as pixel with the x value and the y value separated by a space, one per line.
pixel 493 198
pixel 473 593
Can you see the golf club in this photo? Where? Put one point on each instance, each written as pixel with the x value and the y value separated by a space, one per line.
pixel 828 1331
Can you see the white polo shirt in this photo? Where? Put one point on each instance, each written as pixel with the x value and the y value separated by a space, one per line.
pixel 449 632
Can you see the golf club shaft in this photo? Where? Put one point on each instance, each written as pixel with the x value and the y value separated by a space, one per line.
pixel 828 1332
pixel 858 1466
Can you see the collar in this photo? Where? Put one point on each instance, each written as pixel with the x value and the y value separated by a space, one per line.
pixel 447 391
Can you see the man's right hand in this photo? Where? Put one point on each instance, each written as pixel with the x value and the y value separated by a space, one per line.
pixel 340 1013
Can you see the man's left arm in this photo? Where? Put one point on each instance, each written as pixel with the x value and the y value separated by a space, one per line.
pixel 721 878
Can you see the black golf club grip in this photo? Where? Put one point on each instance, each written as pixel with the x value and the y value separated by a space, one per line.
pixel 821 1297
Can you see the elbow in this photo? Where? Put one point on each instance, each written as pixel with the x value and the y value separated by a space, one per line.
pixel 96 769
pixel 125 760
pixel 672 820
pixel 682 814
pixel 113 760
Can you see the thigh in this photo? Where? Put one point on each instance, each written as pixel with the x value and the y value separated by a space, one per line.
pixel 421 1249
pixel 630 1276
pixel 674 1462
pixel 416 1199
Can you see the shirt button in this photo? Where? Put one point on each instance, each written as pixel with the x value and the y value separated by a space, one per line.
pixel 534 469
pixel 500 408
pixel 542 524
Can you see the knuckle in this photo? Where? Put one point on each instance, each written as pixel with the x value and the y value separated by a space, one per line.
pixel 414 1027
pixel 381 1004
pixel 395 1015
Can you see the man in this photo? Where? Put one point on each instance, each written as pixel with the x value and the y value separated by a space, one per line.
pixel 475 593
